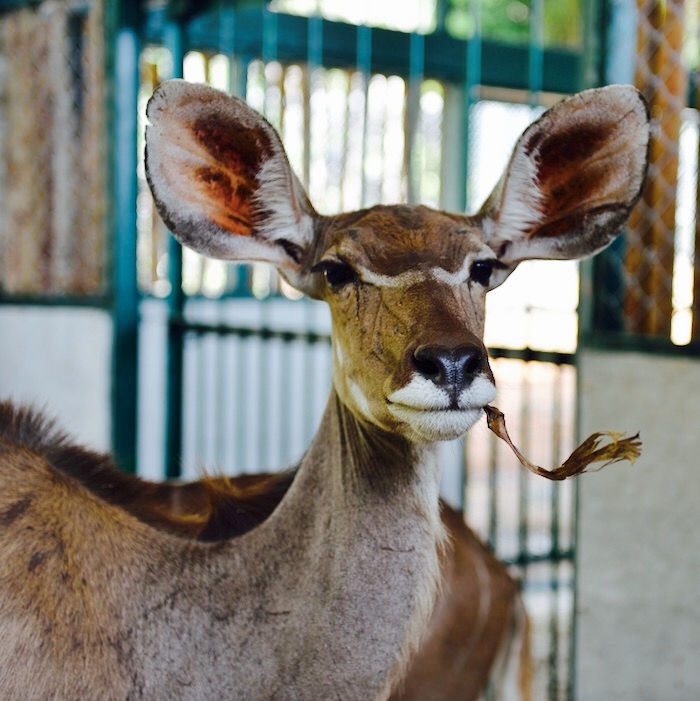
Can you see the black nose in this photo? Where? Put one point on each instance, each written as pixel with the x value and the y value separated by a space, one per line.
pixel 449 367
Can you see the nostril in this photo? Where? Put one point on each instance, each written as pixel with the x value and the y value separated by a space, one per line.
pixel 428 364
pixel 448 366
pixel 471 358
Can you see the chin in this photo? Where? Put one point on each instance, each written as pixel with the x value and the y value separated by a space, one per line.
pixel 423 426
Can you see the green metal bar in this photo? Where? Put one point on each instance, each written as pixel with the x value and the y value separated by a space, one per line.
pixel 174 40
pixel 536 52
pixel 125 57
pixel 415 80
pixel 364 65
pixel 472 82
pixel 503 64
pixel 316 40
pixel 604 276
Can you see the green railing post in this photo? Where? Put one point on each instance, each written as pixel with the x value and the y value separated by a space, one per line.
pixel 124 58
pixel 603 277
pixel 173 40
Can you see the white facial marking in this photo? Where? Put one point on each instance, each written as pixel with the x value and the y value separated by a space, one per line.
pixel 422 394
pixel 360 399
pixel 480 392
pixel 425 408
pixel 338 352
pixel 436 425
pixel 412 277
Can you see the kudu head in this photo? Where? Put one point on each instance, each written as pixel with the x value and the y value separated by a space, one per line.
pixel 406 284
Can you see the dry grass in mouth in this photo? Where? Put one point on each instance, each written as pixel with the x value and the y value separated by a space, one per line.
pixel 589 452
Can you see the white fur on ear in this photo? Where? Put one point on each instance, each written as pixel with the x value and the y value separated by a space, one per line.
pixel 287 217
pixel 221 179
pixel 573 178
pixel 522 201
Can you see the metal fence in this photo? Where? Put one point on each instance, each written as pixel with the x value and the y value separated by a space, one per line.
pixel 234 369
pixel 647 283
pixel 367 115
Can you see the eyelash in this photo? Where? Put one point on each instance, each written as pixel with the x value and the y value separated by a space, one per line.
pixel 337 273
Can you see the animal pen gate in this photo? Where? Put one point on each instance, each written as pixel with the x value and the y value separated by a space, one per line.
pixel 368 115
pixel 419 104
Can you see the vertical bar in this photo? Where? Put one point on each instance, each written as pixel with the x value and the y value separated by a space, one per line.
pixel 284 411
pixel 556 561
pixel 364 64
pixel 459 164
pixel 536 52
pixel 416 62
pixel 244 394
pixel 695 327
pixel 127 47
pixel 314 60
pixel 173 40
pixel 523 476
pixel 472 77
pixel 265 417
pixel 227 30
pixel 603 277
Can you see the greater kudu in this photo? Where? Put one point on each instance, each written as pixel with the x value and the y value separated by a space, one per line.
pixel 329 596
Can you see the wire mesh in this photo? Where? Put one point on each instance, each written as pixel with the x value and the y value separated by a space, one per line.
pixel 651 279
pixel 53 162
pixel 357 137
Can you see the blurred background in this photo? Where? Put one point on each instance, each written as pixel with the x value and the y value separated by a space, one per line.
pixel 176 362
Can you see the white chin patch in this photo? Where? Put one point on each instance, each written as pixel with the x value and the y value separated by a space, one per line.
pixel 427 410
pixel 443 425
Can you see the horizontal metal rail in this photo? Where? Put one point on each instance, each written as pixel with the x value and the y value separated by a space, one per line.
pixel 445 57
pixel 266 333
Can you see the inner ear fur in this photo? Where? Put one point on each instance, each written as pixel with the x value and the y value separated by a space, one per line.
pixel 221 179
pixel 573 178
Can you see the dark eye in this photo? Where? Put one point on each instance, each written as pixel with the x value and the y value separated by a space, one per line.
pixel 481 272
pixel 337 273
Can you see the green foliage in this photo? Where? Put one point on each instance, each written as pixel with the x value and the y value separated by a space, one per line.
pixel 510 20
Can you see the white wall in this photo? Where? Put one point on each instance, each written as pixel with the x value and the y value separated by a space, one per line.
pixel 59 358
pixel 639 554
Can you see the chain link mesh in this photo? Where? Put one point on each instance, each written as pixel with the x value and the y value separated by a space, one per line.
pixel 658 295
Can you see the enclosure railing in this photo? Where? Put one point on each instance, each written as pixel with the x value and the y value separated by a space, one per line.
pixel 367 115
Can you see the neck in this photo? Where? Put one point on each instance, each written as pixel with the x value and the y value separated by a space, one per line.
pixel 367 502
pixel 368 462
pixel 329 596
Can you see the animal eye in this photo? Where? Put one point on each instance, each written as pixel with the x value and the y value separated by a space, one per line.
pixel 337 273
pixel 481 272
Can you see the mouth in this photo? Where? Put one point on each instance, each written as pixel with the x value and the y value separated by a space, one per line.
pixel 436 424
pixel 433 414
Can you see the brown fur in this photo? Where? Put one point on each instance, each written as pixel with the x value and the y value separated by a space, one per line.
pixel 473 617
pixel 332 593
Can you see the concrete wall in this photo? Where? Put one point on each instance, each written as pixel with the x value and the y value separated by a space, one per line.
pixel 60 359
pixel 639 565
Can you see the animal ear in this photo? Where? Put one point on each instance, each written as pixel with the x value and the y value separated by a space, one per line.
pixel 221 179
pixel 572 179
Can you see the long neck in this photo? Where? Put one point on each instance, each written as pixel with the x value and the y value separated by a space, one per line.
pixel 329 595
pixel 362 518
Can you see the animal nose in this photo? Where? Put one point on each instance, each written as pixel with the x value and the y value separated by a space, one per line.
pixel 449 367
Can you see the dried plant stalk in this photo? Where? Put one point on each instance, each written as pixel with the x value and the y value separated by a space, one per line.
pixel 589 452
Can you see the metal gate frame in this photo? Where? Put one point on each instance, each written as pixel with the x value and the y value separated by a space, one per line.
pixel 253 31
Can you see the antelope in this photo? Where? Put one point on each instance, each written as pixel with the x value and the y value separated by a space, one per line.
pixel 477 631
pixel 329 596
